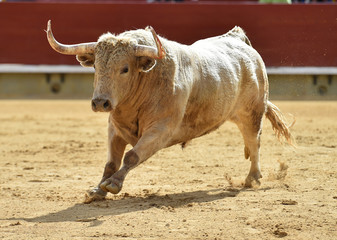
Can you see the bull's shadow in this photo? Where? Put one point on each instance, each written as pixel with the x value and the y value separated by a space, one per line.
pixel 90 212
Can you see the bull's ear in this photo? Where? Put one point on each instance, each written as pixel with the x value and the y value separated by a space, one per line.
pixel 145 64
pixel 86 59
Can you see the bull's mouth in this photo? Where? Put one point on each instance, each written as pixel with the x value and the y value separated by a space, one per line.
pixel 101 105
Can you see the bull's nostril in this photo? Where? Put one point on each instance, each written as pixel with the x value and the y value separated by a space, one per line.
pixel 107 104
pixel 93 104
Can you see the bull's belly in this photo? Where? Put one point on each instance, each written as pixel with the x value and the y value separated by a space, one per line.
pixel 188 131
pixel 200 119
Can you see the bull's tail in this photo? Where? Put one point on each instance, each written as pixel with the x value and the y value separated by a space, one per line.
pixel 279 124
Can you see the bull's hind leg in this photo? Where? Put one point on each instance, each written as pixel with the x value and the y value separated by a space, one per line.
pixel 250 124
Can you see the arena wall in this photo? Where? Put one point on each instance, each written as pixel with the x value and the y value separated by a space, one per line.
pixel 286 36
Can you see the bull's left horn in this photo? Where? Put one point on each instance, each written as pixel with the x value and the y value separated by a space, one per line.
pixel 73 49
pixel 148 51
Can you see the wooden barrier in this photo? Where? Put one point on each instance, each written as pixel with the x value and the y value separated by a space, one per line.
pixel 285 35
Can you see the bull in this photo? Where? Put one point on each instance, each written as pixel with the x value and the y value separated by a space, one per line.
pixel 159 93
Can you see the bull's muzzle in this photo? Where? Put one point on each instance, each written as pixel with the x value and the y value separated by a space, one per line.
pixel 101 105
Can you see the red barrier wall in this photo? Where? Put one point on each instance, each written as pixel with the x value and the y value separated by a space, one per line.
pixel 285 35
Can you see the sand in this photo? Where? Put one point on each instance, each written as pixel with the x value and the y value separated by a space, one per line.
pixel 52 152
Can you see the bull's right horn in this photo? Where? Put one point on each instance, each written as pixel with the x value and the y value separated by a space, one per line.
pixel 157 52
pixel 73 49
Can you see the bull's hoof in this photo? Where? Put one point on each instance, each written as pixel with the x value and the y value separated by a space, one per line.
pixel 95 194
pixel 253 181
pixel 111 187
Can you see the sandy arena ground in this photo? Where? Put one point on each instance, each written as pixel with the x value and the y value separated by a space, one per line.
pixel 51 152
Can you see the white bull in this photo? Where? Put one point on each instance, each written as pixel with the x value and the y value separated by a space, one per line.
pixel 159 93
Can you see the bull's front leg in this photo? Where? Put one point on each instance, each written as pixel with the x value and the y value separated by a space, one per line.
pixel 116 148
pixel 151 141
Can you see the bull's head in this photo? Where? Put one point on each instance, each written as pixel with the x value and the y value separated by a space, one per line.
pixel 117 62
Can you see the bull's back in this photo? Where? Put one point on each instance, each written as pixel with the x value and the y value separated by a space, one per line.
pixel 221 67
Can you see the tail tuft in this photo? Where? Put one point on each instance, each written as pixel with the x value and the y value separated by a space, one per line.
pixel 279 124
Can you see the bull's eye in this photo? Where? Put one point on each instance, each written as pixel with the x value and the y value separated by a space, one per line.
pixel 125 70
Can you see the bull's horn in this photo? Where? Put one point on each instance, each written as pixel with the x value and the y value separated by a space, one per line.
pixel 156 53
pixel 73 49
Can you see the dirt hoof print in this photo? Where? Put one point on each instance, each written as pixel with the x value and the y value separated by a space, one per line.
pixel 288 202
pixel 280 234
